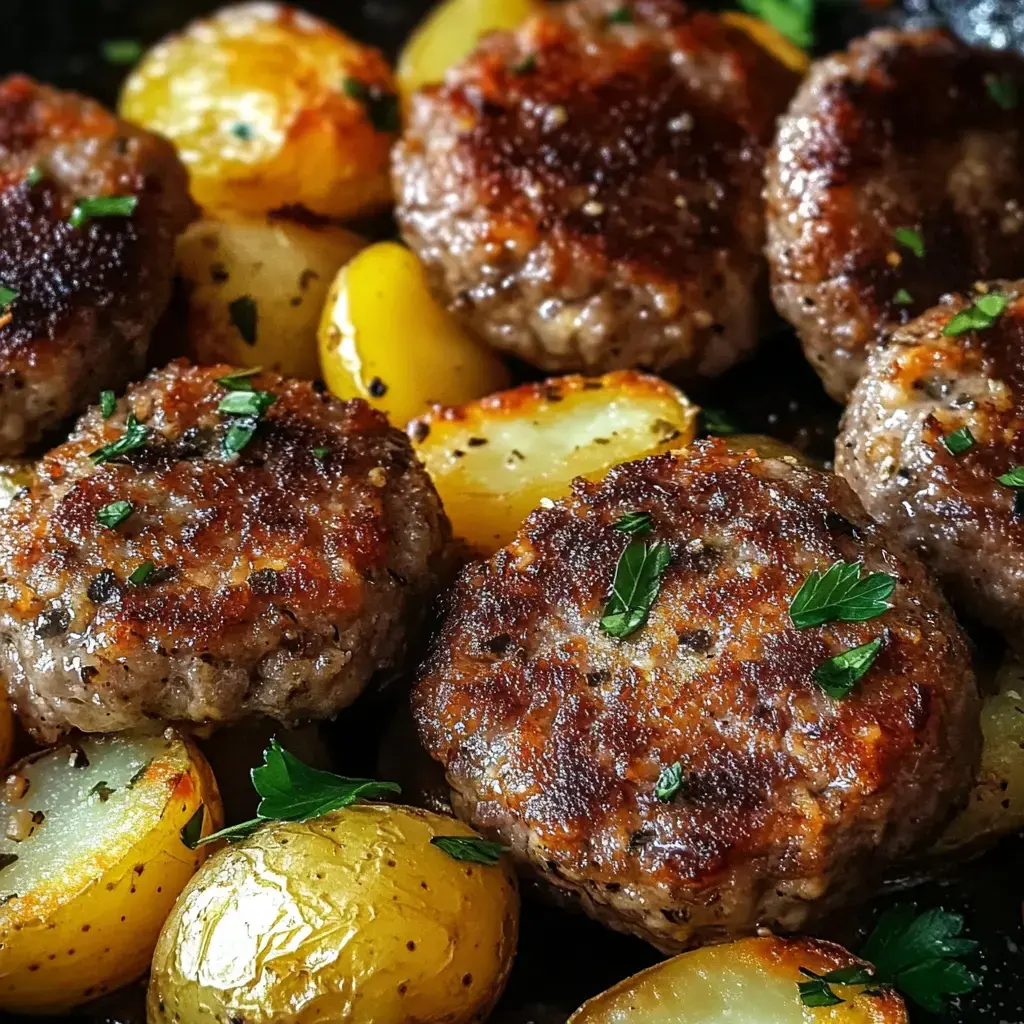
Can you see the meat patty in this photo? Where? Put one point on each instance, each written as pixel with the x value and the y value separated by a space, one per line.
pixel 87 296
pixel 585 192
pixel 903 449
pixel 554 734
pixel 897 176
pixel 280 577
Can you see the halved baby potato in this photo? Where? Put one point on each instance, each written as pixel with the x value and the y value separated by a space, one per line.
pixel 384 338
pixel 255 288
pixel 270 107
pixel 751 981
pixel 495 459
pixel 92 859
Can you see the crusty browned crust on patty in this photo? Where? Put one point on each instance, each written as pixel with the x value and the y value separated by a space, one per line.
pixel 88 296
pixel 585 192
pixel 917 390
pixel 553 734
pixel 900 131
pixel 285 575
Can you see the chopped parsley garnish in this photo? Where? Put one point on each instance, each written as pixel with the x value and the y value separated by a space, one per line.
pixel 793 18
pixel 245 317
pixel 34 176
pixel 193 828
pixel 319 453
pixel 983 314
pixel 242 130
pixel 292 791
pixel 239 433
pixel 635 587
pixel 717 422
pixel 818 991
pixel 141 574
pixel 114 514
pixel 246 403
pixel 840 595
pixel 910 239
pixel 633 522
pixel 903 298
pixel 7 296
pixel 1014 478
pixel 381 106
pixel 470 848
pixel 239 380
pixel 108 404
pixel 135 436
pixel 839 674
pixel 1003 91
pixel 102 206
pixel 959 441
pixel 620 16
pixel 122 52
pixel 669 783
pixel 525 66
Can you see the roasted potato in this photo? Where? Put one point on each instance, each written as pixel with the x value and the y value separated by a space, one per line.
pixel 494 460
pixel 92 860
pixel 14 475
pixel 384 338
pixel 449 33
pixel 270 107
pixel 753 981
pixel 352 917
pixel 255 289
pixel 767 447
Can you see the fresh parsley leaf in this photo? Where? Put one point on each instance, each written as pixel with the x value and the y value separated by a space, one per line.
pixel 1015 477
pixel 959 441
pixel 34 176
pixel 108 403
pixel 381 106
pixel 246 403
pixel 793 18
pixel 141 574
pixel 1002 89
pixel 983 314
pixel 471 848
pixel 319 453
pixel 910 239
pixel 239 433
pixel 840 595
pixel 524 67
pixel 669 783
pixel 292 791
pixel 122 52
pixel 633 522
pixel 114 514
pixel 239 380
pixel 714 421
pixel 621 16
pixel 245 317
pixel 7 296
pixel 135 436
pixel 193 828
pixel 102 206
pixel 903 298
pixel 838 676
pixel 818 991
pixel 635 588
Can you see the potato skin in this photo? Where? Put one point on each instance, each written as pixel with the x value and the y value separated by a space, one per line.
pixel 255 100
pixel 352 917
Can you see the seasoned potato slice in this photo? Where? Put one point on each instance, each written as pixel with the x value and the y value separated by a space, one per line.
pixel 493 460
pixel 384 338
pixel 255 289
pixel 92 860
pixel 449 33
pixel 352 917
pixel 752 981
pixel 270 107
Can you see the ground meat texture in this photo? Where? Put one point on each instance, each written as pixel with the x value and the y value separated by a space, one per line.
pixel 284 576
pixel 585 192
pixel 553 734
pixel 904 130
pixel 87 296
pixel 924 387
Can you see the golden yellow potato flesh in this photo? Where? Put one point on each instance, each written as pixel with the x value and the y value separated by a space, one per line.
pixel 255 289
pixel 352 917
pixel 271 107
pixel 92 860
pixel 384 338
pixel 14 475
pixel 449 33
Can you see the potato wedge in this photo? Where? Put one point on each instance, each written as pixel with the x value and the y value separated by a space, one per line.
pixel 255 289
pixel 449 33
pixel 270 107
pixel 493 460
pixel 384 338
pixel 352 917
pixel 93 860
pixel 752 981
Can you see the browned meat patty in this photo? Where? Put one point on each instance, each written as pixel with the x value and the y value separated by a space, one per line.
pixel 554 734
pixel 585 192
pixel 280 577
pixel 903 449
pixel 87 296
pixel 905 132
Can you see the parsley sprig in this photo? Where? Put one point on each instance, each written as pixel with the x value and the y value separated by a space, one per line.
pixel 840 595
pixel 245 406
pixel 102 206
pixel 135 436
pixel 959 441
pixel 638 576
pixel 839 674
pixel 793 18
pixel 818 991
pixel 1014 478
pixel 910 239
pixel 469 848
pixel 987 309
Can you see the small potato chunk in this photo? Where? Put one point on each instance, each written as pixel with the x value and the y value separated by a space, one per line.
pixel 384 338
pixel 752 981
pixel 449 33
pixel 270 107
pixel 255 290
pixel 91 861
pixel 494 460
pixel 352 917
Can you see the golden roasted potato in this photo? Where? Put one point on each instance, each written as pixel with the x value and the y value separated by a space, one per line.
pixel 753 981
pixel 494 460
pixel 449 33
pixel 14 475
pixel 270 107
pixel 255 289
pixel 384 338
pixel 352 917
pixel 92 860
